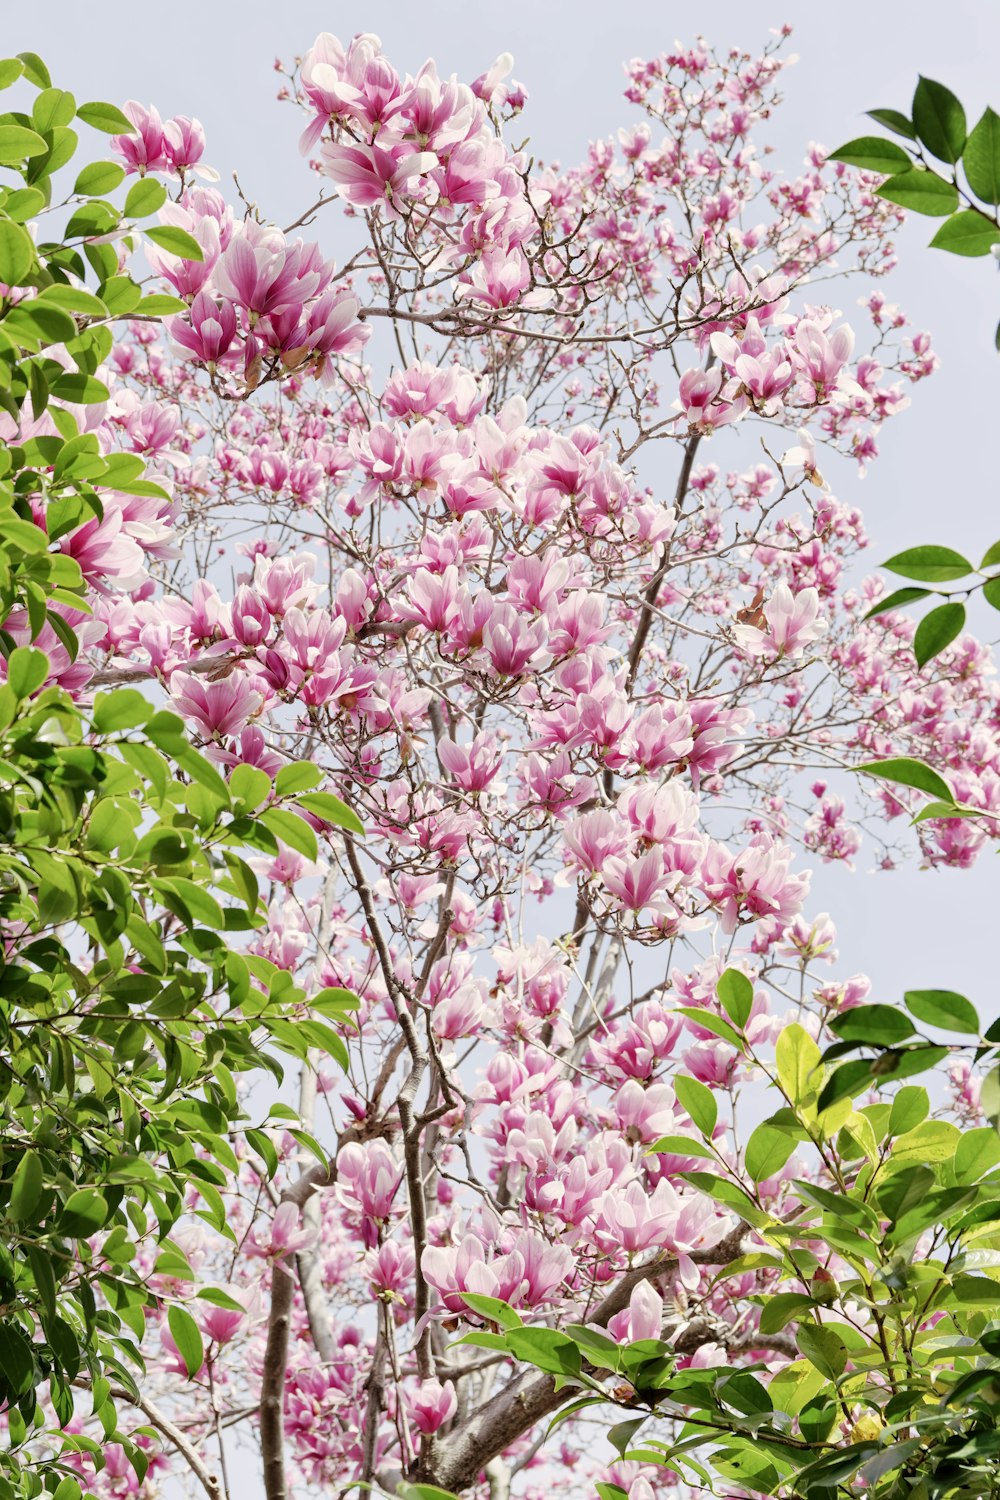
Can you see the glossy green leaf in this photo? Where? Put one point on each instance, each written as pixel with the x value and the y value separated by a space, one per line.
pixel 896 600
pixel 937 630
pixel 873 153
pixel 27 669
pixel 930 564
pixel 910 1107
pixel 17 252
pixel 981 157
pixel 699 1102
pixel 84 1213
pixel 894 120
pixel 187 1336
pixel 144 197
pixel 945 1009
pixel 26 1188
pixel 767 1151
pixel 106 117
pixel 824 1348
pixel 967 233
pixel 939 120
pixel 17 143
pixel 735 993
pixel 99 178
pixel 176 241
pixel 906 771
pixel 291 830
pixel 920 191
pixel 330 808
pixel 546 1349
pixel 493 1309
pixel 875 1025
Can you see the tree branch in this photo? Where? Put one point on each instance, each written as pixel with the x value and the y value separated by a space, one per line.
pixel 272 1386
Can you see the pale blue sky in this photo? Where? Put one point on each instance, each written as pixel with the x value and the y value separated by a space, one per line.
pixel 936 480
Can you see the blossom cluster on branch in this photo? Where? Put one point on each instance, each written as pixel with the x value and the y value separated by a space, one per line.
pixel 555 594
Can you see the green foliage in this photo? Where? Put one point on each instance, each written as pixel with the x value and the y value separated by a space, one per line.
pixel 936 565
pixel 126 1008
pixel 890 1386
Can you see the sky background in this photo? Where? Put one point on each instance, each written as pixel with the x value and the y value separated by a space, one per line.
pixel 936 479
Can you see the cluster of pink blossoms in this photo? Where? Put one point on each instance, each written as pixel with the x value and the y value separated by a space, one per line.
pixel 586 671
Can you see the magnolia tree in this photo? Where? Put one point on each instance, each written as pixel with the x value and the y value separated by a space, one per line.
pixel 513 526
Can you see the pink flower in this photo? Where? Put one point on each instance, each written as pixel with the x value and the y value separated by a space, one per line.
pixel 146 149
pixel 370 176
pixel 281 1236
pixel 430 1405
pixel 210 332
pixel 793 623
pixel 217 708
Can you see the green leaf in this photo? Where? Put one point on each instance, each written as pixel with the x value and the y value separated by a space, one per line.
pixel 909 1108
pixel 968 232
pixel 680 1145
pixel 905 1190
pixel 175 241
pixel 407 1491
pixel 330 808
pixel 159 305
pixel 52 108
pixel 735 993
pixel 930 564
pixel 991 558
pixel 11 69
pixel 298 776
pixel 939 120
pixel 943 1008
pixel 921 191
pixel 106 117
pixel 699 1102
pixel 82 390
pixel 74 299
pixel 27 669
pixel 492 1309
pixel 35 70
pixel 187 1336
pixel 249 785
pixel 545 1349
pixel 18 142
pixel 715 1024
pixel 98 178
pixel 823 1348
pixel 84 1213
pixel 798 1063
pixel 26 1188
pixel 120 295
pixel 895 121
pixel 936 631
pixel 780 1309
pixel 125 708
pixel 896 600
pixel 909 772
pixel 981 157
pixel 873 154
pixel 874 1025
pixel 291 829
pixel 767 1151
pixel 991 592
pixel 144 197
pixel 17 252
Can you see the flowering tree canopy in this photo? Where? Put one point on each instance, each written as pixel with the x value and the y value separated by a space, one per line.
pixel 493 574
